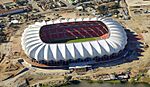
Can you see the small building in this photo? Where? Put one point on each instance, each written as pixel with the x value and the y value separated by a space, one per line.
pixel 6 1
pixel 123 76
pixel 13 11
pixel 112 77
pixel 80 8
pixel 14 22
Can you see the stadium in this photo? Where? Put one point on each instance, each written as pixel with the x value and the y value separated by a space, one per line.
pixel 82 40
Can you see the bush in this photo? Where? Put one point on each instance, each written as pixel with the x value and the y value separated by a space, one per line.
pixel 67 78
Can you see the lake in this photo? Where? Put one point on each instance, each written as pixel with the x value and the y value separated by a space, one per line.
pixel 106 84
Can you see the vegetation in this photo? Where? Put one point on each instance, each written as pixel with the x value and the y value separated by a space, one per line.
pixel 2 36
pixel 94 81
pixel 132 80
pixel 113 81
pixel 74 81
pixel 100 81
pixel 146 79
pixel 67 78
pixel 22 2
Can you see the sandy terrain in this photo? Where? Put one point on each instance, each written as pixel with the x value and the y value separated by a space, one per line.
pixel 13 49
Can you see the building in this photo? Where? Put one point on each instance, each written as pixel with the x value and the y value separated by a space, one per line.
pixel 138 4
pixel 45 42
pixel 6 1
pixel 13 11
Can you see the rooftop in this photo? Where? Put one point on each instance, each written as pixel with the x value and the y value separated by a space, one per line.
pixel 6 1
pixel 137 2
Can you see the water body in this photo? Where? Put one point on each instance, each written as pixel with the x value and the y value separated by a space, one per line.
pixel 86 84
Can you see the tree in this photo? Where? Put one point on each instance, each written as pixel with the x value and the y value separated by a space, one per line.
pixel 67 78
pixel 21 2
pixel 103 9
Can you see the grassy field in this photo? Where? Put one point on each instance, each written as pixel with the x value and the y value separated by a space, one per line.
pixel 83 40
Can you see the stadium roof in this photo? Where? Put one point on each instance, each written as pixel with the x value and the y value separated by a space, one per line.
pixel 35 48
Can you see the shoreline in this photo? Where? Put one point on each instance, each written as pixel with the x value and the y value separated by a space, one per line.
pixel 77 82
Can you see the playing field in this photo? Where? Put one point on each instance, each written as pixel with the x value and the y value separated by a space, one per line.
pixel 83 40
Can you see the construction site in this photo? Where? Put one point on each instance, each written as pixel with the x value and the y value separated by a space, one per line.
pixel 133 15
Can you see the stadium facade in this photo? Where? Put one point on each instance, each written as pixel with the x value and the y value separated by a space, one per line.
pixel 44 42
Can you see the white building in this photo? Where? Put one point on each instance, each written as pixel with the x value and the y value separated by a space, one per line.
pixel 38 50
